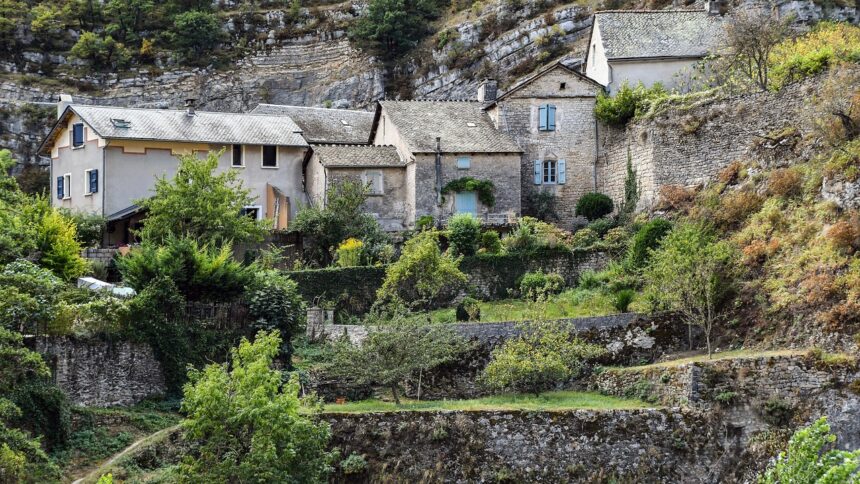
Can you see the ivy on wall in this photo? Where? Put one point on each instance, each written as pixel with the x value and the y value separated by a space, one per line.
pixel 484 189
pixel 352 289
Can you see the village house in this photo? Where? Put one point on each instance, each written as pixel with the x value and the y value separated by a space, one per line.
pixel 651 46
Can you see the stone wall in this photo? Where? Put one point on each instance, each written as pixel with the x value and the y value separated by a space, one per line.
pixel 670 445
pixel 690 146
pixel 102 373
pixel 105 256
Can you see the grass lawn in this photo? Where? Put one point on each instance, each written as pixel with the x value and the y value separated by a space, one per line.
pixel 546 401
pixel 572 303
pixel 723 355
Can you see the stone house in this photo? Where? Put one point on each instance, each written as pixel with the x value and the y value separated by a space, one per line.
pixel 550 115
pixel 651 46
pixel 104 158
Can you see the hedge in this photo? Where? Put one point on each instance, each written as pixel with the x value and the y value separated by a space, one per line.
pixel 352 289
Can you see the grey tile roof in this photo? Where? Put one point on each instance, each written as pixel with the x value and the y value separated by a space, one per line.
pixel 463 127
pixel 659 33
pixel 322 125
pixel 358 156
pixel 571 66
pixel 202 127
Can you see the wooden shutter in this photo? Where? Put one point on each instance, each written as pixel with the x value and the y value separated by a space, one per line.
pixel 542 118
pixel 550 116
pixel 60 187
pixel 562 177
pixel 538 172
pixel 94 181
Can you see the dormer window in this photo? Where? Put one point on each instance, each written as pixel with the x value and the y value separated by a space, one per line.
pixel 77 135
pixel 120 123
pixel 471 125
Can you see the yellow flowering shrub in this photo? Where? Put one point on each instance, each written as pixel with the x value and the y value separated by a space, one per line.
pixel 349 252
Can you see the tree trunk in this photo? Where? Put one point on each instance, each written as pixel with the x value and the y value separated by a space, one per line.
pixel 690 336
pixel 394 394
pixel 420 374
pixel 708 342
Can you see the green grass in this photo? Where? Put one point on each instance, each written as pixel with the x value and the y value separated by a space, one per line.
pixel 723 355
pixel 550 401
pixel 573 303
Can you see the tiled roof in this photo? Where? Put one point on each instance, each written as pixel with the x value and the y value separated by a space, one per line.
pixel 202 127
pixel 358 156
pixel 463 127
pixel 658 33
pixel 570 67
pixel 322 125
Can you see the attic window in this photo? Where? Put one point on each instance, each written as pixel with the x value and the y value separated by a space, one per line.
pixel 562 86
pixel 471 125
pixel 120 123
pixel 344 122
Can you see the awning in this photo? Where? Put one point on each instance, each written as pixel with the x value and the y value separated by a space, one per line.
pixel 124 213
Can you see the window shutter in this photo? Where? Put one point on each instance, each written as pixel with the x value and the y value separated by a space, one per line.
pixel 538 172
pixel 60 187
pixel 562 177
pixel 94 181
pixel 542 116
pixel 550 114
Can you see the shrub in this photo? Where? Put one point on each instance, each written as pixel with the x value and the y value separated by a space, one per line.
pixel 827 44
pixel 622 299
pixel 490 242
pixel 468 310
pixel 353 464
pixel 57 241
pixel 730 173
pixel 349 253
pixel 274 304
pixel 627 103
pixel 601 226
pixel 811 457
pixel 594 206
pixel 777 412
pixel 538 285
pixel 522 238
pixel 424 222
pixel 423 276
pixel 196 33
pixel 543 204
pixel 583 238
pixel 785 182
pixel 647 238
pixel 675 197
pixel 543 355
pixel 464 233
pixel 90 227
pixel 845 234
pixel 616 237
pixel 736 207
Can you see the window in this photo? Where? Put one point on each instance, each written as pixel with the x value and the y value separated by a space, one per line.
pixel 466 202
pixel 464 163
pixel 237 159
pixel 77 135
pixel 64 186
pixel 562 86
pixel 270 156
pixel 253 211
pixel 374 182
pixel 92 179
pixel 550 172
pixel 546 117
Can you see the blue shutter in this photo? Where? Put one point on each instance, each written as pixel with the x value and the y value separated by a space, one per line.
pixel 538 172
pixel 542 117
pixel 94 181
pixel 60 187
pixel 77 134
pixel 550 124
pixel 561 172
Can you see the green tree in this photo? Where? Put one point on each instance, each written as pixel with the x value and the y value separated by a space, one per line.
pixel 246 422
pixel 392 27
pixel 101 52
pixel 464 233
pixel 694 274
pixel 394 351
pixel 274 303
pixel 200 204
pixel 196 33
pixel 423 276
pixel 811 459
pixel 543 355
pixel 631 192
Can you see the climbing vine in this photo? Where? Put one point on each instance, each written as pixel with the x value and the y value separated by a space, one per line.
pixel 484 189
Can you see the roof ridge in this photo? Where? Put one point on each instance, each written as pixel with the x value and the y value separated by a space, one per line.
pixel 319 108
pixel 170 110
pixel 428 100
pixel 353 145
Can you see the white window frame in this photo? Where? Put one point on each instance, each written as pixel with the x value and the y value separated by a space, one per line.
pixel 83 136
pixel 67 186
pixel 259 209
pixel 366 177
pixel 87 191
pixel 242 149
pixel 549 167
pixel 263 157
pixel 465 166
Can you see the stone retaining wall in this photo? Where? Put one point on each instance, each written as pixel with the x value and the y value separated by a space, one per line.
pixel 102 373
pixel 105 256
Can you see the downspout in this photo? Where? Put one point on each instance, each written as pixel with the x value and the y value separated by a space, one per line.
pixel 596 153
pixel 439 179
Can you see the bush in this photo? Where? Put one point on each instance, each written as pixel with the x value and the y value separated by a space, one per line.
pixel 58 244
pixel 827 44
pixel 584 238
pixel 785 182
pixel 627 103
pixel 845 234
pixel 196 33
pixel 349 253
pixel 675 197
pixel 647 238
pixel 274 304
pixel 777 412
pixel 354 464
pixel 424 222
pixel 28 295
pixel 538 285
pixel 736 207
pixel 601 226
pixel 810 457
pixel 543 205
pixel 464 233
pixel 468 310
pixel 90 227
pixel 594 206
pixel 622 299
pixel 490 242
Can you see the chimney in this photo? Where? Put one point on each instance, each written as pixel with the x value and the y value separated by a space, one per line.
pixel 487 90
pixel 189 106
pixel 715 7
pixel 65 101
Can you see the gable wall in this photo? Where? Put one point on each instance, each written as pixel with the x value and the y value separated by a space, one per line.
pixel 75 161
pixel 597 67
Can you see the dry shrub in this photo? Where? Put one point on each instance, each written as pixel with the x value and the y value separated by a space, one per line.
pixel 736 207
pixel 841 316
pixel 675 197
pixel 819 288
pixel 730 173
pixel 845 234
pixel 690 124
pixel 758 251
pixel 785 182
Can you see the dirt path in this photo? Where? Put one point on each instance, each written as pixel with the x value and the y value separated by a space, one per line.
pixel 105 466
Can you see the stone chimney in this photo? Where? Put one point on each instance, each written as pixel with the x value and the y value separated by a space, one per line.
pixel 715 7
pixel 487 90
pixel 65 101
pixel 189 106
